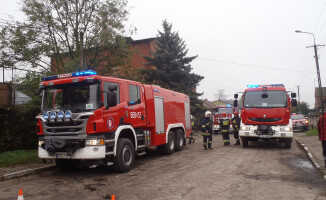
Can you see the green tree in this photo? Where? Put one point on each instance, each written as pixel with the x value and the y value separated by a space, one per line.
pixel 169 66
pixel 51 35
pixel 303 108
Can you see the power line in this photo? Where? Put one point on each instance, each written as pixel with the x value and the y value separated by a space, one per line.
pixel 255 66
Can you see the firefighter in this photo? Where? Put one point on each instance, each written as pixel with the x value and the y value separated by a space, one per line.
pixel 236 127
pixel 225 128
pixel 191 137
pixel 321 126
pixel 206 130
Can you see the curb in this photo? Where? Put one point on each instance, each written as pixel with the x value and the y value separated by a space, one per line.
pixel 25 172
pixel 311 158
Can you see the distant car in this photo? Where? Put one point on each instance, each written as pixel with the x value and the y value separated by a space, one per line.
pixel 299 122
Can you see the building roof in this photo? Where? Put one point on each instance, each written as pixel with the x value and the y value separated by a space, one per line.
pixel 208 104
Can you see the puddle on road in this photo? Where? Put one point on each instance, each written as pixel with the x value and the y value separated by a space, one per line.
pixel 301 163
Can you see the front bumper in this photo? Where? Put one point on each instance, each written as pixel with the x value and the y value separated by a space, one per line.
pixel 89 152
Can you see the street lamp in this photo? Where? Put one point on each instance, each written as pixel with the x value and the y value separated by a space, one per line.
pixel 318 72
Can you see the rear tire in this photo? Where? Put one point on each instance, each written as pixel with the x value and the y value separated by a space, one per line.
pixel 244 142
pixel 180 140
pixel 125 156
pixel 67 165
pixel 169 148
pixel 216 132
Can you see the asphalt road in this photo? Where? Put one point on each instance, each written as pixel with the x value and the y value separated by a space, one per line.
pixel 264 170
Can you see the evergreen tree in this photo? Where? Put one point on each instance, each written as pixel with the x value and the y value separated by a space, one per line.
pixel 169 66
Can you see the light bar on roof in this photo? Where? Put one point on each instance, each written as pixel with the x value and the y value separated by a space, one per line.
pixel 266 85
pixel 75 74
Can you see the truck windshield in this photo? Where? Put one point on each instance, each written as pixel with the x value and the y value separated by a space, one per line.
pixel 265 99
pixel 75 97
pixel 297 117
pixel 222 110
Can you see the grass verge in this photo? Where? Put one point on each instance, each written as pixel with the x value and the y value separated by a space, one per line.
pixel 312 132
pixel 11 158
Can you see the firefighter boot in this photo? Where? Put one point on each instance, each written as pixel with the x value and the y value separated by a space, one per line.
pixel 210 147
pixel 237 142
pixel 205 147
pixel 193 140
pixel 325 163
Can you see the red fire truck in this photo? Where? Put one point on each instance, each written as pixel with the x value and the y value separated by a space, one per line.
pixel 266 114
pixel 104 120
pixel 217 115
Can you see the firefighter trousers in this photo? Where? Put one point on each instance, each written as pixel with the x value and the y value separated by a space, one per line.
pixel 226 137
pixel 236 136
pixel 207 136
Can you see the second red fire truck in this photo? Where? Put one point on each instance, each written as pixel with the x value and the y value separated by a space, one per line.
pixel 217 115
pixel 105 120
pixel 266 114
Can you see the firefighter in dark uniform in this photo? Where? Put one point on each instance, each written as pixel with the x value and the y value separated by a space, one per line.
pixel 236 127
pixel 225 128
pixel 206 130
pixel 191 137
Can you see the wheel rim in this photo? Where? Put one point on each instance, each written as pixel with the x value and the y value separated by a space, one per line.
pixel 127 155
pixel 180 140
pixel 171 143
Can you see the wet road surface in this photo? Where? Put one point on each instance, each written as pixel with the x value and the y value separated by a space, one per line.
pixel 264 170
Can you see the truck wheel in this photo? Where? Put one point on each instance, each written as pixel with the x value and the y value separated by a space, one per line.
pixel 216 132
pixel 244 142
pixel 170 146
pixel 180 140
pixel 67 165
pixel 288 143
pixel 125 156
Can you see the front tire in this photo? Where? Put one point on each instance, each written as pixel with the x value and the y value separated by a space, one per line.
pixel 180 140
pixel 244 142
pixel 125 156
pixel 288 143
pixel 169 148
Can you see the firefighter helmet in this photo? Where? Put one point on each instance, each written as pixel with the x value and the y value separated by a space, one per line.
pixel 236 114
pixel 224 115
pixel 207 113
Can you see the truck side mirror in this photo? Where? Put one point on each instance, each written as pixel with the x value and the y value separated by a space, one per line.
pixel 294 102
pixel 235 103
pixel 38 91
pixel 111 99
pixel 293 95
pixel 235 96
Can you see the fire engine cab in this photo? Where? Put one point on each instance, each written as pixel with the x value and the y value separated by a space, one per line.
pixel 217 115
pixel 266 114
pixel 104 120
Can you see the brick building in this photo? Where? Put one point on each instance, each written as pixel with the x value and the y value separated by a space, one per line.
pixel 140 48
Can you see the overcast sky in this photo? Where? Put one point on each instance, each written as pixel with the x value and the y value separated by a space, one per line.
pixel 238 42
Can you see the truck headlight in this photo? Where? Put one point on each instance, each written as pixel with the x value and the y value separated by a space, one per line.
pixel 94 142
pixel 286 129
pixel 245 128
pixel 53 115
pixel 60 114
pixel 46 115
pixel 68 114
pixel 215 126
pixel 40 143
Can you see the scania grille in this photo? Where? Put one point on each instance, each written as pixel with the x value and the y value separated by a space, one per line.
pixel 73 127
pixel 265 120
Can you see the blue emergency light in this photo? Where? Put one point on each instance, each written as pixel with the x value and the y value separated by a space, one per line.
pixel 75 74
pixel 228 105
pixel 266 85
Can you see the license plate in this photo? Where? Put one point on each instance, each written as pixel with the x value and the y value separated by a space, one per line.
pixel 264 136
pixel 62 155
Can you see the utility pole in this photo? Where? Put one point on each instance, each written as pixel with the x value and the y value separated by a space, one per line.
pixel 318 72
pixel 299 94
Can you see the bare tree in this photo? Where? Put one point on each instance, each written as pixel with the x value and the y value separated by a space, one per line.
pixel 220 95
pixel 50 37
